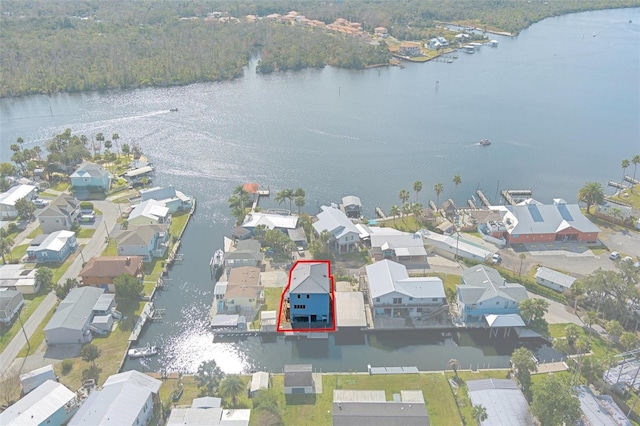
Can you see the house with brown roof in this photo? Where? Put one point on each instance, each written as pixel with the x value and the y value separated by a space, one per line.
pixel 243 290
pixel 101 271
pixel 148 241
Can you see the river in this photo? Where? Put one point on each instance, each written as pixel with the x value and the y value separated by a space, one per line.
pixel 560 102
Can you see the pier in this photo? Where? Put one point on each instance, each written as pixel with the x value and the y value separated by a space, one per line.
pixel 257 194
pixel 631 180
pixel 617 185
pixel 484 199
pixel 509 194
pixel 471 204
pixel 380 214
pixel 147 313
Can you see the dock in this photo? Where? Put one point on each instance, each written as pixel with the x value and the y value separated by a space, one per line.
pixel 471 204
pixel 617 185
pixel 509 194
pixel 146 314
pixel 392 370
pixel 484 199
pixel 632 180
pixel 259 193
pixel 380 214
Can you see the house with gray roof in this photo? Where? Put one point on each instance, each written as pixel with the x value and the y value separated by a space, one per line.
pixel 345 237
pixel 207 411
pixel 553 279
pixel 393 292
pixel 90 177
pixel 60 214
pixel 127 399
pixel 11 302
pixel 504 401
pixel 310 292
pixel 173 199
pixel 401 247
pixel 51 403
pixel 150 212
pixel 246 253
pixel 147 241
pixel 370 407
pixel 484 292
pixel 72 319
pixel 600 409
pixel 298 379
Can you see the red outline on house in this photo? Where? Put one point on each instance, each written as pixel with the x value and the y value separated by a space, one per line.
pixel 332 299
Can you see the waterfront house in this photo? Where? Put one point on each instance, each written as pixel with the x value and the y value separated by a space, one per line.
pixel 51 403
pixel 173 199
pixel 56 247
pixel 148 241
pixel 8 200
pixel 127 399
pixel 533 222
pixel 450 246
pixel 70 323
pixel 150 212
pixel 409 48
pixel 370 407
pixel 101 271
pixel 246 253
pixel 207 411
pixel 16 277
pixel 298 237
pixel 60 214
pixel 345 236
pixel 239 233
pixel 135 176
pixel 484 292
pixel 351 206
pixel 310 292
pixel 282 222
pixel 393 293
pixel 298 379
pixel 401 247
pixel 504 401
pixel 90 177
pixel 243 290
pixel 11 302
pixel 34 378
pixel 553 279
pixel 434 43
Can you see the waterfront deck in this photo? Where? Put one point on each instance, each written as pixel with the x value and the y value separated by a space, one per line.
pixel 145 315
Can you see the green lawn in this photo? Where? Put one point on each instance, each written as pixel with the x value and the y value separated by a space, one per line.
pixel 37 337
pixel 61 186
pixel 35 233
pixel 449 280
pixel 111 249
pixel 85 233
pixel 178 223
pixel 18 252
pixel 31 302
pixel 407 224
pixel 599 346
pixel 632 197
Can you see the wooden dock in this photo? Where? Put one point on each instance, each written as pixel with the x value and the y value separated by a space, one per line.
pixel 617 185
pixel 380 214
pixel 471 204
pixel 484 199
pixel 508 194
pixel 145 315
pixel 632 180
pixel 259 193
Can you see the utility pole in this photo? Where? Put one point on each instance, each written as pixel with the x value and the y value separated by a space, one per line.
pixel 25 334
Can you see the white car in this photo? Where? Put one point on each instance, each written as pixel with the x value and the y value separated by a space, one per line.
pixel 614 255
pixel 39 202
pixel 496 258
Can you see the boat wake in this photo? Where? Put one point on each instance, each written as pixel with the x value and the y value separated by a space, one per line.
pixel 331 135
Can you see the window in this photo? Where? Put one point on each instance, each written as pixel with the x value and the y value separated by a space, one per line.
pixel 298 296
pixel 299 306
pixel 397 300
pixel 377 299
pixel 435 299
pixel 411 298
pixel 497 303
pixel 307 296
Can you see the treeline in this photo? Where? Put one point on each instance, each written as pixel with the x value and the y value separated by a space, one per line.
pixel 62 45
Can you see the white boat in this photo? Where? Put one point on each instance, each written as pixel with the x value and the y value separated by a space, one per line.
pixel 218 259
pixel 143 352
pixel 485 142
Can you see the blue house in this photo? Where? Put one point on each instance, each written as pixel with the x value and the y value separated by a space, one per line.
pixel 51 403
pixel 484 292
pixel 310 293
pixel 91 177
pixel 56 247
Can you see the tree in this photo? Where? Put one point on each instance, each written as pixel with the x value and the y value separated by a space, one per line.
pixel 44 277
pixel 591 193
pixel 136 151
pixel 616 213
pixel 62 290
pixel 438 188
pixel 394 211
pixel 571 333
pixel 231 387
pixel 90 353
pixel 25 208
pixel 625 163
pixel 6 243
pixel 404 196
pixel 280 197
pixel 9 382
pixel 238 202
pixel 629 340
pixel 555 402
pixel 115 138
pixel 635 160
pixel 406 210
pixel 126 150
pixel 457 180
pixel 532 311
pixel 209 377
pixel 454 364
pixel 523 363
pixel 107 144
pixel 416 210
pixel 417 187
pixel 128 287
pixel 614 329
pixel 479 413
pixel 591 317
pixel 299 203
pixel 522 257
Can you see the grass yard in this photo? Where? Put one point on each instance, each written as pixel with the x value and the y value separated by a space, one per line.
pixel 37 337
pixel 111 249
pixel 449 280
pixel 18 252
pixel 35 233
pixel 629 197
pixel 85 233
pixel 599 346
pixel 178 223
pixel 61 186
pixel 406 224
pixel 30 304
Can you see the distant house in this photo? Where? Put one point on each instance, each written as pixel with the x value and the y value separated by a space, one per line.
pixel 484 292
pixel 207 411
pixel 173 199
pixel 298 379
pixel 352 206
pixel 259 381
pixel 8 200
pixel 150 212
pixel 91 177
pixel 51 403
pixel 246 253
pixel 282 222
pixel 370 407
pixel 434 43
pixel 31 380
pixel 60 214
pixel 391 290
pixel 101 271
pixel 600 409
pixel 345 237
pixel 148 241
pixel 553 279
pixel 239 233
pixel 449 247
pixel 70 323
pixel 310 293
pixel 56 247
pixel 10 303
pixel 409 48
pixel 504 401
pixel 298 237
pixel 381 32
pixel 129 398
pixel 16 277
pixel 401 247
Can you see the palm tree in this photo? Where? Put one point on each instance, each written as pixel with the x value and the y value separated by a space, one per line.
pixel 479 413
pixel 625 163
pixel 590 318
pixel 231 387
pixel 404 196
pixel 6 243
pixel 37 151
pixel 288 194
pixel 97 147
pixel 591 193
pixel 457 180
pixel 280 197
pixel 394 211
pixel 417 187
pixel 20 142
pixel 454 364
pixel 299 203
pixel 522 257
pixel 406 210
pixel 616 213
pixel 115 138
pixel 438 188
pixel 416 209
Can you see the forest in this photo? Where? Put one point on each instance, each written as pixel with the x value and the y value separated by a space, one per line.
pixel 69 46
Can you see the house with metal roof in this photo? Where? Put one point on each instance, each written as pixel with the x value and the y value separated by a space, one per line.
pixel 147 241
pixel 8 200
pixel 392 292
pixel 56 247
pixel 553 279
pixel 259 381
pixel 504 401
pixel 70 323
pixel 173 199
pixel 150 212
pixel 351 206
pixel 101 271
pixel 60 214
pixel 452 246
pixel 91 176
pixel 246 253
pixel 127 399
pixel 345 237
pixel 11 302
pixel 51 403
pixel 600 410
pixel 270 221
pixel 310 292
pixel 34 378
pixel 370 407
pixel 533 222
pixel 207 411
pixel 484 292
pixel 401 247
pixel 17 277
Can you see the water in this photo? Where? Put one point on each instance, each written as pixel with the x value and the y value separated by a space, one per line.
pixel 561 107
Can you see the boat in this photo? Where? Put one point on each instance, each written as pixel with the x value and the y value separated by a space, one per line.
pixel 173 110
pixel 176 394
pixel 218 259
pixel 143 352
pixel 485 142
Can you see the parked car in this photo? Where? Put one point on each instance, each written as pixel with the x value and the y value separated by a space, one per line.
pixel 496 258
pixel 614 255
pixel 87 218
pixel 301 251
pixel 39 202
pixel 627 259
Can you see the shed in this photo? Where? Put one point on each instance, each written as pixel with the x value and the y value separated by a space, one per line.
pixel 31 380
pixel 259 380
pixel 553 279
pixel 103 323
pixel 298 379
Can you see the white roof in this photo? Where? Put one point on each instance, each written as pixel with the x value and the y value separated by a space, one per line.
pixel 449 244
pixel 310 278
pixel 138 172
pixel 152 209
pixel 35 378
pixel 334 221
pixel 351 200
pixel 270 220
pixel 259 380
pixel 363 230
pixel 387 277
pixel 504 402
pixel 508 320
pixel 54 241
pixel 556 277
pixel 14 193
pixel 38 405
pixel 402 243
pixel 532 217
